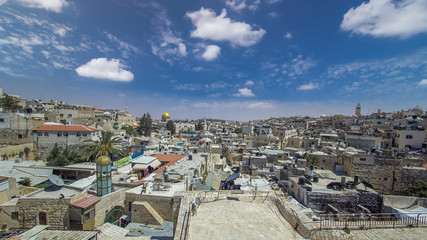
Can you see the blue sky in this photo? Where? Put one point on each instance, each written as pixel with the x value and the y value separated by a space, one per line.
pixel 229 59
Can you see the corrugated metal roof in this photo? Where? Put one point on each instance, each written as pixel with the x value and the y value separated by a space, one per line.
pixel 110 230
pixel 65 235
pixel 32 232
pixel 65 128
pixel 86 201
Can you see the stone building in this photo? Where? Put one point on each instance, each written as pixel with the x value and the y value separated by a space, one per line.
pixel 386 175
pixel 328 192
pixel 65 136
pixel 15 128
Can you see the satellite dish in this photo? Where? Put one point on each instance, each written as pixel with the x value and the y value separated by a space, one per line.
pixel 56 180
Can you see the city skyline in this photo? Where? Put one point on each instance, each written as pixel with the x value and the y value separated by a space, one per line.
pixel 227 59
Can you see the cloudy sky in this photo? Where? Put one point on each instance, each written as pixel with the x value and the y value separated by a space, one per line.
pixel 229 59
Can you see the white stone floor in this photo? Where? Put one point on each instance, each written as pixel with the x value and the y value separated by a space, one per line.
pixel 230 219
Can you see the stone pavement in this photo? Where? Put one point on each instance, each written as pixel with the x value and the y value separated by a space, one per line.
pixel 232 219
pixel 373 234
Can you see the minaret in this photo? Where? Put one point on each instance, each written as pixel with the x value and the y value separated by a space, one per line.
pixel 358 109
pixel 103 176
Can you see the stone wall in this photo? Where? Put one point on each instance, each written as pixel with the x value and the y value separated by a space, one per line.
pixel 391 176
pixel 163 205
pixel 12 152
pixel 57 211
pixel 107 202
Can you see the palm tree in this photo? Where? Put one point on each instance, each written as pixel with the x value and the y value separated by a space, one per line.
pixel 104 146
pixel 9 103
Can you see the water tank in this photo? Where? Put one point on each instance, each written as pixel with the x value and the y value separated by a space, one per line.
pixel 356 179
pixel 343 180
pixel 166 176
pixel 300 180
pixel 190 157
pixel 221 156
pixel 315 178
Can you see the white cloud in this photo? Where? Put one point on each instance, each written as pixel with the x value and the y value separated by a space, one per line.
pixel 2 2
pixel 288 35
pixel 102 68
pixel 220 28
pixel 167 45
pixel 238 5
pixel 125 48
pixel 182 49
pixel 211 52
pixel 297 66
pixel 308 86
pixel 261 105
pixel 249 83
pixel 273 14
pixel 244 92
pixel 386 18
pixel 49 5
pixel 122 95
pixel 423 82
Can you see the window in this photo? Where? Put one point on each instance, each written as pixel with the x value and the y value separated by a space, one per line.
pixel 66 134
pixel 39 134
pixel 79 134
pixel 61 115
pixel 70 115
pixel 408 136
pixel 362 159
pixel 89 214
pixel 46 134
pixel 84 134
pixel 15 215
pixel 59 134
pixel 19 135
pixel 1 120
pixel 42 218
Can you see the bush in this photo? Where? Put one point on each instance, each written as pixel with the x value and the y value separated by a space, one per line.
pixel 347 230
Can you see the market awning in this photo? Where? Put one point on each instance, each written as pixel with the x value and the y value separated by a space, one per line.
pixel 155 164
pixel 140 166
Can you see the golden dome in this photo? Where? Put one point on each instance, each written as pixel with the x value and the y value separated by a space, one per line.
pixel 166 115
pixel 103 160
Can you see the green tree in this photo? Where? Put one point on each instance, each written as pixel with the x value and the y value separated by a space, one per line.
pixel 104 146
pixel 53 153
pixel 60 160
pixel 146 125
pixel 312 160
pixel 419 189
pixel 130 130
pixel 26 182
pixel 171 127
pixel 199 126
pixel 9 104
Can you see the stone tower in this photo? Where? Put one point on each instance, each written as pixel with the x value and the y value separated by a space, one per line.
pixel 358 109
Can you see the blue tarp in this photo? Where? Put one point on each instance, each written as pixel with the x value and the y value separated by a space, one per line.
pixel 232 177
pixel 137 155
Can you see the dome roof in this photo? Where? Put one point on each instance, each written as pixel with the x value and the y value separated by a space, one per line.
pixel 165 115
pixel 417 109
pixel 103 160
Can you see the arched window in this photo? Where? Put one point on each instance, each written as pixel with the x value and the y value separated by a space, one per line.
pixel 42 218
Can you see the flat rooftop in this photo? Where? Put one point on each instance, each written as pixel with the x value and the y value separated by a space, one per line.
pixel 54 193
pixel 231 219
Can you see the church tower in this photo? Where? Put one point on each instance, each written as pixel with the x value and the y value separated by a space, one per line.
pixel 358 109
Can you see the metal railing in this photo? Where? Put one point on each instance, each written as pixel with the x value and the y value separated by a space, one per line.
pixel 378 220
